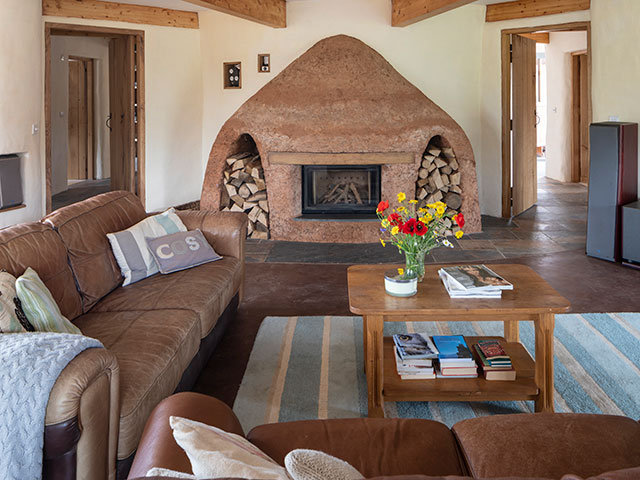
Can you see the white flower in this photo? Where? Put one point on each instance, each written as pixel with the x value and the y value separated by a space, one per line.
pixel 447 243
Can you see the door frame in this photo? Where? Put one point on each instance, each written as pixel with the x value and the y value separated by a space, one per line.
pixel 77 30
pixel 505 56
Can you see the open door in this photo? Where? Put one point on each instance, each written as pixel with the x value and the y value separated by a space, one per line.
pixel 580 119
pixel 80 159
pixel 523 94
pixel 122 107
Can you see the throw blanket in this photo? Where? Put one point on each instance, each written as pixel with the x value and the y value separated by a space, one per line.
pixel 30 363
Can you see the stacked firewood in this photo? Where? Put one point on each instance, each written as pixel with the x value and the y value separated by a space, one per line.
pixel 246 191
pixel 439 179
pixel 342 193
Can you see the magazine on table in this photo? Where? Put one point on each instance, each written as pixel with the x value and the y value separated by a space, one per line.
pixel 452 348
pixel 415 345
pixel 455 291
pixel 476 278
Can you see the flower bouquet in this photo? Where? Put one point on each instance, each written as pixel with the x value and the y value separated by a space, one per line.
pixel 416 231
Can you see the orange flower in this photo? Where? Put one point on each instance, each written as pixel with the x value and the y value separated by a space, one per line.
pixel 382 206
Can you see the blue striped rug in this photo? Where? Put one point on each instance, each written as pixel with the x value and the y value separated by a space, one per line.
pixel 312 367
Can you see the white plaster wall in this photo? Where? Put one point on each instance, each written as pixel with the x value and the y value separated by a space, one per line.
pixel 21 100
pixel 173 66
pixel 616 60
pixel 559 101
pixel 490 167
pixel 88 47
pixel 441 55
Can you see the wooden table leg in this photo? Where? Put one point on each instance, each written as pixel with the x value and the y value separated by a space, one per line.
pixel 544 361
pixel 374 360
pixel 364 341
pixel 512 331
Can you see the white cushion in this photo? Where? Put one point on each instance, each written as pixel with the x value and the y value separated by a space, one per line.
pixel 314 465
pixel 214 453
pixel 164 472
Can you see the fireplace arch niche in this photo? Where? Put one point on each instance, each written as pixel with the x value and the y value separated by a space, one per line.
pixel 367 115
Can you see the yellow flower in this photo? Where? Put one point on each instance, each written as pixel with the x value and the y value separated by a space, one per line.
pixel 440 204
pixel 413 201
pixel 385 223
pixel 401 209
pixel 423 210
pixel 459 234
pixel 440 210
pixel 382 242
pixel 395 230
pixel 401 197
pixel 427 217
pixel 401 271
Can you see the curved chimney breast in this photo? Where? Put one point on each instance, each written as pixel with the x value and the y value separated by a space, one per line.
pixel 340 96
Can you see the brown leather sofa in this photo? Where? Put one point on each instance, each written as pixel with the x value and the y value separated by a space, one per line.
pixel 534 446
pixel 158 333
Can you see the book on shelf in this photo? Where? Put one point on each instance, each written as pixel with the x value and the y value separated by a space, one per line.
pixel 473 279
pixel 452 348
pixel 501 368
pixel 458 371
pixel 413 372
pixel 455 291
pixel 439 374
pixel 413 346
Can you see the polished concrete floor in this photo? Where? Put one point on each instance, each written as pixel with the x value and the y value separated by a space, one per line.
pixel 80 191
pixel 296 281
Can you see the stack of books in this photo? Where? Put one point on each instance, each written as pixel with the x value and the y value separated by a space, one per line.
pixel 454 357
pixel 495 363
pixel 414 356
pixel 473 281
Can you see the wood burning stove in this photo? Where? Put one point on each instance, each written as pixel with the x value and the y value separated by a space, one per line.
pixel 340 190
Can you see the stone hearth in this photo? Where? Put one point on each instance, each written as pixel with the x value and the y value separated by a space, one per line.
pixel 339 103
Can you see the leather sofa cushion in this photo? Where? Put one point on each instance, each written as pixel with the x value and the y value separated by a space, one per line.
pixel 83 228
pixel 373 446
pixel 205 290
pixel 159 449
pixel 37 246
pixel 153 349
pixel 549 445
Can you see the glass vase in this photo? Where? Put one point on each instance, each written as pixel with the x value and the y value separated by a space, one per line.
pixel 414 263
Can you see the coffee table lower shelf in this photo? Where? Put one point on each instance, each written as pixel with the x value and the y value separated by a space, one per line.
pixel 524 387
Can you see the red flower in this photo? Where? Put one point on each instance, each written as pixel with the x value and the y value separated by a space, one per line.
pixel 382 206
pixel 421 228
pixel 459 218
pixel 410 227
pixel 395 219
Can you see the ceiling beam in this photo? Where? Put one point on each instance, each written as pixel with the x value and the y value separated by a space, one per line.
pixel 406 12
pixel 272 13
pixel 533 8
pixel 120 12
pixel 539 37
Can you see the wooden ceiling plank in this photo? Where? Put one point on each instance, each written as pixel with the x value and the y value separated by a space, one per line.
pixel 407 12
pixel 120 12
pixel 533 8
pixel 272 13
pixel 539 37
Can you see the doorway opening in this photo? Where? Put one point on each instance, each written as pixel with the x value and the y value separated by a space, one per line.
pixel 546 112
pixel 94 112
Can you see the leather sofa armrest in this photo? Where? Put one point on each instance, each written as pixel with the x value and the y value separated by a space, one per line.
pixel 225 231
pixel 157 448
pixel 82 418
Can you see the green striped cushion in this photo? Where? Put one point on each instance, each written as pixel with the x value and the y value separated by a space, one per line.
pixel 130 246
pixel 12 318
pixel 40 307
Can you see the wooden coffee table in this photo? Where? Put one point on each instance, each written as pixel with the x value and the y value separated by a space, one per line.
pixel 532 299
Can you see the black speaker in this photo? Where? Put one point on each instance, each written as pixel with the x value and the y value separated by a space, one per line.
pixel 10 181
pixel 631 233
pixel 613 182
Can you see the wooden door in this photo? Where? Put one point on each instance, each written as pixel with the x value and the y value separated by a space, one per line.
pixel 122 109
pixel 523 91
pixel 80 157
pixel 580 119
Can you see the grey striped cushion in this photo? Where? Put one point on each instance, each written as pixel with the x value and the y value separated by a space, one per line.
pixel 130 246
